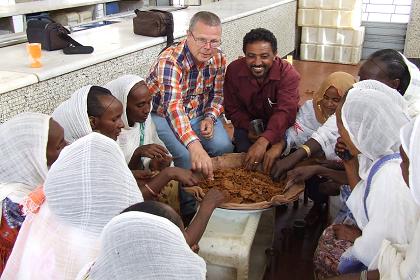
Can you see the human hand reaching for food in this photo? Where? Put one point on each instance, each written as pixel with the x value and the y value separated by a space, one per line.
pixel 200 160
pixel 302 173
pixel 255 154
pixel 271 155
pixel 152 151
pixel 160 163
pixel 214 198
pixel 144 174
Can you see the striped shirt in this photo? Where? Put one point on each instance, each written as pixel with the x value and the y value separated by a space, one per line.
pixel 183 91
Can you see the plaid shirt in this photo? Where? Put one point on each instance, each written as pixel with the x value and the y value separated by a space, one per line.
pixel 182 91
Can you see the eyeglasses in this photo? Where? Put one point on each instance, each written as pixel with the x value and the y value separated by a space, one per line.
pixel 201 42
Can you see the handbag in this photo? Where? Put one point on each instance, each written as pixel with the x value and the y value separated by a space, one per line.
pixel 154 23
pixel 53 36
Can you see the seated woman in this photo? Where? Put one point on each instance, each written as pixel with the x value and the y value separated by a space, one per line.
pixel 315 124
pixel 315 112
pixel 30 142
pixel 137 244
pixel 94 108
pixel 138 138
pixel 387 66
pixel 396 71
pixel 368 122
pixel 310 120
pixel 90 108
pixel 83 192
pixel 400 261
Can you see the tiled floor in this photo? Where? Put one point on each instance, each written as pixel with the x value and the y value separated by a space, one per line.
pixel 313 73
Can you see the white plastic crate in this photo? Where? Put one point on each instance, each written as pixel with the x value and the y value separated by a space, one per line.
pixel 347 5
pixel 330 53
pixel 329 18
pixel 226 244
pixel 333 36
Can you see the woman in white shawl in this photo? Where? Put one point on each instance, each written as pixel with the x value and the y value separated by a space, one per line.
pixel 90 108
pixel 83 192
pixel 136 245
pixel 315 129
pixel 387 66
pixel 138 138
pixel 30 143
pixel 367 123
pixel 401 261
pixel 396 71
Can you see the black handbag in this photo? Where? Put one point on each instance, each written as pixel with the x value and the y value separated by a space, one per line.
pixel 53 36
pixel 154 23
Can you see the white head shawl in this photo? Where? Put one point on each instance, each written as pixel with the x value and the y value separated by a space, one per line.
pixel 86 187
pixel 120 88
pixel 72 115
pixel 392 93
pixel 410 140
pixel 129 138
pixel 136 244
pixel 23 155
pixel 90 183
pixel 372 119
pixel 412 93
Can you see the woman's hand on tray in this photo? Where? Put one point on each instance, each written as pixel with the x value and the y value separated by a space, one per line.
pixel 196 191
pixel 280 168
pixel 214 198
pixel 271 155
pixel 302 173
pixel 185 176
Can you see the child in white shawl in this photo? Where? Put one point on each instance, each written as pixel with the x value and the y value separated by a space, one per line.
pixel 138 138
pixel 83 192
pixel 90 108
pixel 137 245
pixel 30 142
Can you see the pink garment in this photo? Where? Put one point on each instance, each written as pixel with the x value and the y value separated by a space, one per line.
pixel 68 250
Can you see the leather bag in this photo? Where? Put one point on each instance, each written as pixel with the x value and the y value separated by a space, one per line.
pixel 53 36
pixel 154 23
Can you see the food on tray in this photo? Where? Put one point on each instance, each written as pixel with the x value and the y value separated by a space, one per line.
pixel 244 186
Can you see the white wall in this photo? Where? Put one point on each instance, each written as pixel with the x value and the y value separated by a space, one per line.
pixel 386 10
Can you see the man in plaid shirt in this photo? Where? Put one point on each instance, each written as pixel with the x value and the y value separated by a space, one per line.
pixel 187 84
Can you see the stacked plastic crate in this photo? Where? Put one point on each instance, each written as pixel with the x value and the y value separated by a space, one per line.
pixel 331 30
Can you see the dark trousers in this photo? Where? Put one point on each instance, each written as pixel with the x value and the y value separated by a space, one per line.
pixel 312 190
pixel 241 140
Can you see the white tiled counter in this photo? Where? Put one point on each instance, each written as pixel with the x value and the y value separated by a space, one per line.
pixel 119 51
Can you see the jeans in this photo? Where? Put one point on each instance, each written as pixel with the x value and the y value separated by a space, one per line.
pixel 216 146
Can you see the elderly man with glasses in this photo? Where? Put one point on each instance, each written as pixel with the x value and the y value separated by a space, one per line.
pixel 187 84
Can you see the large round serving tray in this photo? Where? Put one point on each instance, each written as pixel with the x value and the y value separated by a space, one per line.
pixel 235 160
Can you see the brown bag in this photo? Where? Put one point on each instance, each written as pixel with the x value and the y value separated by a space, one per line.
pixel 154 23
